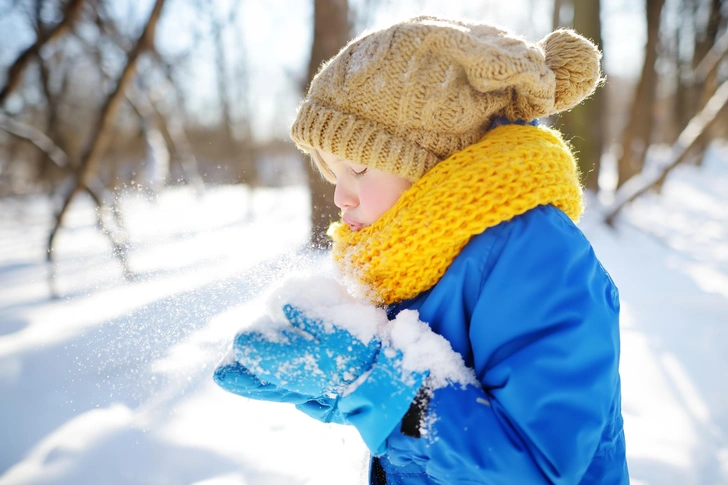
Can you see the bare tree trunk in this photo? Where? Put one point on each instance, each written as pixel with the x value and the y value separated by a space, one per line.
pixel 223 89
pixel 681 102
pixel 73 9
pixel 683 38
pixel 101 137
pixel 44 164
pixel 708 38
pixel 95 188
pixel 53 120
pixel 168 123
pixel 173 129
pixel 184 154
pixel 330 34
pixel 706 83
pixel 584 125
pixel 238 149
pixel 248 150
pixel 692 133
pixel 636 135
pixel 6 168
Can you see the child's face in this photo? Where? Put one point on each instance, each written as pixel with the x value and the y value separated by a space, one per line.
pixel 363 194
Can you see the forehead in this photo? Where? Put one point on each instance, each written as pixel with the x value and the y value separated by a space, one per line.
pixel 332 160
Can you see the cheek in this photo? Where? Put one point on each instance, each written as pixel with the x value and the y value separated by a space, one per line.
pixel 378 198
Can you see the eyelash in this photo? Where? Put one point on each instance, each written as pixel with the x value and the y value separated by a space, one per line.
pixel 359 174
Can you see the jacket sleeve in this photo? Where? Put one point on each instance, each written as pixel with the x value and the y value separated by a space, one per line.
pixel 545 343
pixel 235 378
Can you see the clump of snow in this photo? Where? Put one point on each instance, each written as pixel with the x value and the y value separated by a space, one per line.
pixel 269 328
pixel 325 299
pixel 424 350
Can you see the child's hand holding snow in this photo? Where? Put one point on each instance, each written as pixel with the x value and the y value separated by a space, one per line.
pixel 319 346
pixel 309 356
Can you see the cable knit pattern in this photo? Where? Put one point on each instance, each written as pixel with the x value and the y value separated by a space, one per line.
pixel 511 170
pixel 403 98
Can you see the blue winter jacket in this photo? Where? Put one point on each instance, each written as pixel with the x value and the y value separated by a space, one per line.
pixel 530 308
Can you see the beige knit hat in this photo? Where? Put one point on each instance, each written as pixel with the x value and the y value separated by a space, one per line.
pixel 406 97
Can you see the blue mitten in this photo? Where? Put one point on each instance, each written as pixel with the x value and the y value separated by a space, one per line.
pixel 321 360
pixel 376 407
pixel 310 358
pixel 235 378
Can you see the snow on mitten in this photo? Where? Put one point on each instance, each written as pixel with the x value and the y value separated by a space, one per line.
pixel 310 356
pixel 235 378
pixel 413 359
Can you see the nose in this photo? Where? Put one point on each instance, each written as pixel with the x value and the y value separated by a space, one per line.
pixel 344 196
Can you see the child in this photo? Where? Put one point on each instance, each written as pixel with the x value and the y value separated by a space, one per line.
pixel 455 203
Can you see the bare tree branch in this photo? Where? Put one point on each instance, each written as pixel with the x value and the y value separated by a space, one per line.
pixel 40 140
pixel 95 189
pixel 102 135
pixel 180 144
pixel 711 60
pixel 100 140
pixel 37 138
pixel 638 130
pixel 147 106
pixel 53 104
pixel 641 183
pixel 15 73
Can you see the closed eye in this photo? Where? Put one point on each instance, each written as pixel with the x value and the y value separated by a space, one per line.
pixel 360 173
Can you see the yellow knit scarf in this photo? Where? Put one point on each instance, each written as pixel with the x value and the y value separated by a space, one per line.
pixel 511 170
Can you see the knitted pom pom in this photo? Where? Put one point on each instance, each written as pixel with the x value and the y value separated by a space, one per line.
pixel 575 62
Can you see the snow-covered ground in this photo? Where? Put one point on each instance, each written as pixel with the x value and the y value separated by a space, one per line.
pixel 112 382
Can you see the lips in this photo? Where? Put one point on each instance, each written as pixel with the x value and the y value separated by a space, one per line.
pixel 353 225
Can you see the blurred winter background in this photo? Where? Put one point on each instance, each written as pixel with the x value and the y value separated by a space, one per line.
pixel 149 197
